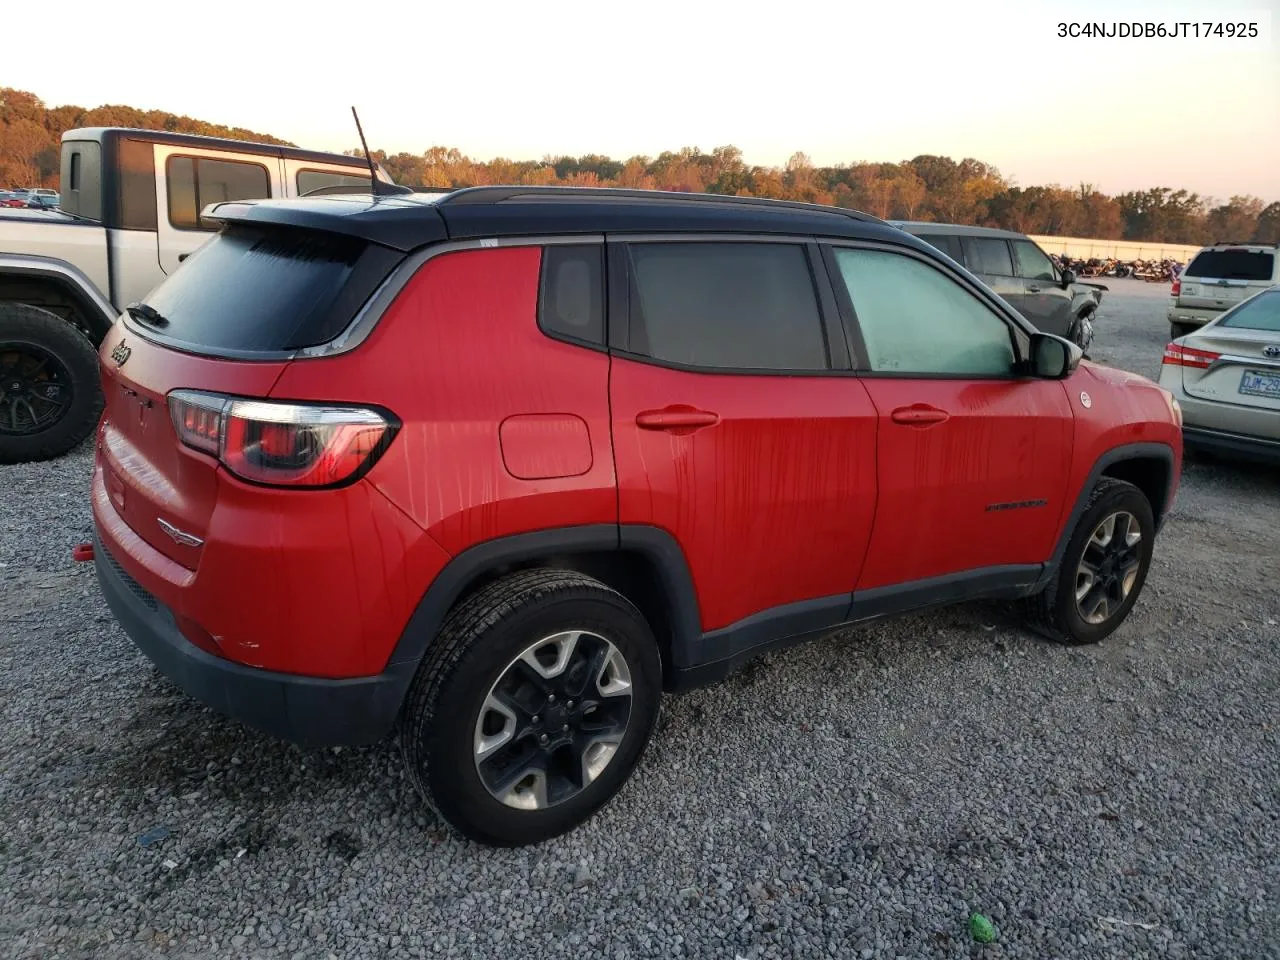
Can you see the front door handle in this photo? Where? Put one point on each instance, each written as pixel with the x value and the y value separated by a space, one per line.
pixel 919 414
pixel 676 419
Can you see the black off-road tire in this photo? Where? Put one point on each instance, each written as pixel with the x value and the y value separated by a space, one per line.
pixel 24 326
pixel 1054 612
pixel 480 638
pixel 1075 335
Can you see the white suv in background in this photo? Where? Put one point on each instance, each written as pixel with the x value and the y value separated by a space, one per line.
pixel 1216 279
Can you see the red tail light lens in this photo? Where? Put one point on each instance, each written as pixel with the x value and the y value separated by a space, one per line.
pixel 282 444
pixel 197 417
pixel 1176 355
pixel 1177 287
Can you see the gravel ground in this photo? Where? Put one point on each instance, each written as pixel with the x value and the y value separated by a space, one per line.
pixel 857 797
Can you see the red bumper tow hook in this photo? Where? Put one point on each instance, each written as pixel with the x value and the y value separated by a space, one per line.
pixel 82 553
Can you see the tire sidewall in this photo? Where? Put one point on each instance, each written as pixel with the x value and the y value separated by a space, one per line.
pixel 448 746
pixel 1126 498
pixel 25 325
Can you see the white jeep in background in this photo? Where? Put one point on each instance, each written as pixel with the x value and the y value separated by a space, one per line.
pixel 131 213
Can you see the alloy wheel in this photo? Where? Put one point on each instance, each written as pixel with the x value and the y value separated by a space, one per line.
pixel 35 389
pixel 553 720
pixel 1109 567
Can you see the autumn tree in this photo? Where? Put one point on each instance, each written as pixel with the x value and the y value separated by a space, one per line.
pixel 1268 228
pixel 926 187
pixel 1236 220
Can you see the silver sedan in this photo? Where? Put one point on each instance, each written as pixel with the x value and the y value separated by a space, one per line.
pixel 1226 378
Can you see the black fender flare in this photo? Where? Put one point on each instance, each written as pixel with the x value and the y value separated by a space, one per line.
pixel 656 545
pixel 1128 451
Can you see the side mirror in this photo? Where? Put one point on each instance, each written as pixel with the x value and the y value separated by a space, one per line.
pixel 1053 358
pixel 1068 278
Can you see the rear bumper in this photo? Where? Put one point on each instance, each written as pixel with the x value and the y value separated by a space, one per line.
pixel 1238 445
pixel 1193 316
pixel 306 710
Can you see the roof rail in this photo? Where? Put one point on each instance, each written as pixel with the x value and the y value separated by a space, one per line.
pixel 498 194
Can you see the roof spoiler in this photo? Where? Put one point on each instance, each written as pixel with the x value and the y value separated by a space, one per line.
pixel 226 209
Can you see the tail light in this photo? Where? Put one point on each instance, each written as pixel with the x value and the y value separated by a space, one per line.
pixel 282 444
pixel 1176 355
pixel 1177 287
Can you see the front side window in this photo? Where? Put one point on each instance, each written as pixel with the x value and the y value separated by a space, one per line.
pixel 196 182
pixel 1033 263
pixel 988 255
pixel 733 306
pixel 916 320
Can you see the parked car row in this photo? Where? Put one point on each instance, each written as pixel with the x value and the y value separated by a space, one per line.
pixel 30 198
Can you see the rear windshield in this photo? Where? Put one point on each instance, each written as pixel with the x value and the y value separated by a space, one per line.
pixel 1257 313
pixel 268 289
pixel 1232 265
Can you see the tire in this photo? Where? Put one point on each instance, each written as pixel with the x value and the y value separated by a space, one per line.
pixel 1055 612
pixel 1177 330
pixel 40 354
pixel 470 669
pixel 1081 333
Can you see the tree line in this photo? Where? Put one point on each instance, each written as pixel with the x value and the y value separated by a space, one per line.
pixel 31 133
pixel 926 187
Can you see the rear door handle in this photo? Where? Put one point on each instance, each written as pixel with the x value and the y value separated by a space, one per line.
pixel 183 256
pixel 1034 289
pixel 676 419
pixel 919 414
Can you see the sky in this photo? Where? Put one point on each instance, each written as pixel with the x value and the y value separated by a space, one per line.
pixel 843 81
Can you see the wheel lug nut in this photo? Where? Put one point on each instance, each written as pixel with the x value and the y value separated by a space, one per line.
pixel 565 728
pixel 570 704
pixel 551 698
pixel 543 738
pixel 536 718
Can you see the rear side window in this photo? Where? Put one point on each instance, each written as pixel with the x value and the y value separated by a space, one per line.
pixel 1033 263
pixel 1261 312
pixel 948 244
pixel 571 298
pixel 196 182
pixel 1232 265
pixel 309 181
pixel 734 306
pixel 268 289
pixel 988 255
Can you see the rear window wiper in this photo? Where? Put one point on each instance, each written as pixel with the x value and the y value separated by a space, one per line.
pixel 146 314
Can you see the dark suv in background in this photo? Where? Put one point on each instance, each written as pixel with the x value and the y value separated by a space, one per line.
pixel 1021 273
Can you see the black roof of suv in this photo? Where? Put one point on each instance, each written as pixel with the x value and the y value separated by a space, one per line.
pixel 407 221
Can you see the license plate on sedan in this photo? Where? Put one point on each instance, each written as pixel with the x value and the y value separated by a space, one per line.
pixel 1259 384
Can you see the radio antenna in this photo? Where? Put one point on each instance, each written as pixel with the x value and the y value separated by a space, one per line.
pixel 373 172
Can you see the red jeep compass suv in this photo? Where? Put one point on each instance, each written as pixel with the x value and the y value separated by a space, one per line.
pixel 496 467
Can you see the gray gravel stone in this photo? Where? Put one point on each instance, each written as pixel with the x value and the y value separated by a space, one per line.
pixel 857 797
